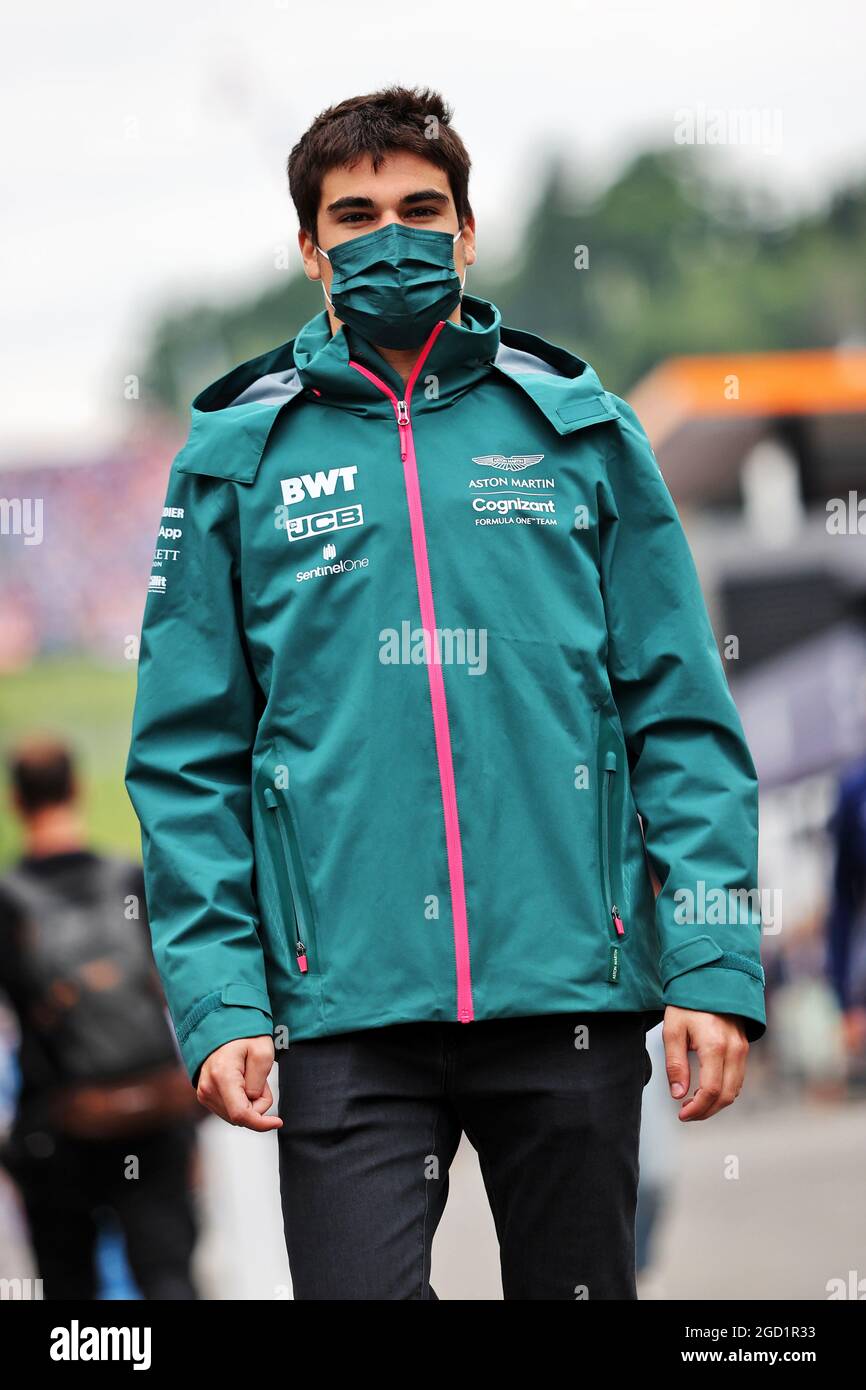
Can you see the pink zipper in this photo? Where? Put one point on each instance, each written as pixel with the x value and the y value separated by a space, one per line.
pixel 441 728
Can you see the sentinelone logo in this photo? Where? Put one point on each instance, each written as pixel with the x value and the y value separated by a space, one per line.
pixel 339 567
pixel 77 1343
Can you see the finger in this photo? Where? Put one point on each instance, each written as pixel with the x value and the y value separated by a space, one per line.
pixel 229 1080
pixel 241 1111
pixel 262 1124
pixel 734 1074
pixel 711 1057
pixel 265 1100
pixel 210 1098
pixel 676 1043
pixel 257 1067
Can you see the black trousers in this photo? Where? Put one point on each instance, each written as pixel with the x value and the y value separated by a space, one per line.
pixel 66 1183
pixel 372 1120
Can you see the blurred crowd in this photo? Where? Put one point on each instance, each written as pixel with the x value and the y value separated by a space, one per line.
pixel 83 584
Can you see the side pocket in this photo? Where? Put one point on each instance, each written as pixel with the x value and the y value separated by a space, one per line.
pixel 290 878
pixel 610 843
pixel 610 766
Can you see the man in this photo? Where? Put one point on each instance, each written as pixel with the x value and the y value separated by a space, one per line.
pixel 103 1123
pixel 846 926
pixel 424 637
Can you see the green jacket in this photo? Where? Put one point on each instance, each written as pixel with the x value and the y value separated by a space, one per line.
pixel 426 689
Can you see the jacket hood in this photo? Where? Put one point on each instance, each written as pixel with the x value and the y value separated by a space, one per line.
pixel 232 418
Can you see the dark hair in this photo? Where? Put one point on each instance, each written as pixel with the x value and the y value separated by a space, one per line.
pixel 42 773
pixel 396 118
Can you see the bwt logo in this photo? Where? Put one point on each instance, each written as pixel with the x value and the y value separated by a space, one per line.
pixel 317 485
pixel 299 528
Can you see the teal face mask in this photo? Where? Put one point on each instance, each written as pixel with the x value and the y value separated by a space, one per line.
pixel 395 284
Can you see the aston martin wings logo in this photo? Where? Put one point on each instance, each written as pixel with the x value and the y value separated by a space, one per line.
pixel 508 463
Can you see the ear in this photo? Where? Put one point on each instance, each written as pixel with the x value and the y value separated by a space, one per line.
pixel 310 256
pixel 467 240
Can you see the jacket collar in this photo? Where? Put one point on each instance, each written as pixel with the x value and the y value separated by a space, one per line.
pixel 461 354
pixel 231 419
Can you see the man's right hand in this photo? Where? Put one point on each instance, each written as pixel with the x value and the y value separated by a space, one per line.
pixel 233 1083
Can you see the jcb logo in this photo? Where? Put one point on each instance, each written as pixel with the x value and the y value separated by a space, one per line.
pixel 299 528
pixel 317 484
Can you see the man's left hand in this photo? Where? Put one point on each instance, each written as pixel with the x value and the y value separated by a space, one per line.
pixel 722 1047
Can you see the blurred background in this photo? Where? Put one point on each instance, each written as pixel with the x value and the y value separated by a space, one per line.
pixel 676 194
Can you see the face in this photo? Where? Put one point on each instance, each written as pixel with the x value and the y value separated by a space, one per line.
pixel 357 200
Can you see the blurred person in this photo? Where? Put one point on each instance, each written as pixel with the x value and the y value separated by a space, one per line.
pixel 846 926
pixel 417 863
pixel 659 1147
pixel 104 1120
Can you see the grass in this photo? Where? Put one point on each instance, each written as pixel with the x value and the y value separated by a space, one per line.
pixel 90 705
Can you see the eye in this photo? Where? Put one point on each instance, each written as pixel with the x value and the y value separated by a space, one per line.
pixel 351 217
pixel 422 212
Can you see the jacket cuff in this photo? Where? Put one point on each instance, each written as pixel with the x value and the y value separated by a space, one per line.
pixel 699 974
pixel 235 1011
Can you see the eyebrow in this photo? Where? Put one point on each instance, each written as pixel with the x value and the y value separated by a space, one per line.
pixel 425 195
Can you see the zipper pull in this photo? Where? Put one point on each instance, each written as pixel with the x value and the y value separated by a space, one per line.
pixel 617 920
pixel 403 422
pixel 301 953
